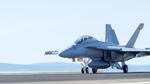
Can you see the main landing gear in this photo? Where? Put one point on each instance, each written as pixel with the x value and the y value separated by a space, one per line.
pixel 124 67
pixel 94 71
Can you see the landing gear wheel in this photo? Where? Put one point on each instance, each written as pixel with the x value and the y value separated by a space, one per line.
pixel 125 68
pixel 82 70
pixel 85 70
pixel 94 71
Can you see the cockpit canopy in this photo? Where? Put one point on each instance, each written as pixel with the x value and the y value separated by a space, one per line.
pixel 84 38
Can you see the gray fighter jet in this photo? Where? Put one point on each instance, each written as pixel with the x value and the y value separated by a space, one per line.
pixel 101 55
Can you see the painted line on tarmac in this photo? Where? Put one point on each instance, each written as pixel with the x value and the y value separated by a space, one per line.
pixel 134 83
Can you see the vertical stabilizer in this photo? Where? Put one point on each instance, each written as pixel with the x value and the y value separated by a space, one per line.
pixel 133 39
pixel 110 35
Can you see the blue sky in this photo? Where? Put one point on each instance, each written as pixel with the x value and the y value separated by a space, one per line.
pixel 29 27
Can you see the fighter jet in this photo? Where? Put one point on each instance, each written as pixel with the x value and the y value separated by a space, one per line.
pixel 104 54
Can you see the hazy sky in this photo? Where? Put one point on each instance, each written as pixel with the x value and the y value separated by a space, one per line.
pixel 29 27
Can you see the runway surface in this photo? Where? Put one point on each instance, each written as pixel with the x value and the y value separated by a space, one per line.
pixel 67 78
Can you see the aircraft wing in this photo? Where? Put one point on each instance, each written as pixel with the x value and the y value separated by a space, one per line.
pixel 134 50
pixel 142 52
pixel 105 48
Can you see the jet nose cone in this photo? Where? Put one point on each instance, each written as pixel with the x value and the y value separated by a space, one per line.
pixel 61 54
pixel 64 54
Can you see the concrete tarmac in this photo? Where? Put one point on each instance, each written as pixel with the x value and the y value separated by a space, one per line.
pixel 73 78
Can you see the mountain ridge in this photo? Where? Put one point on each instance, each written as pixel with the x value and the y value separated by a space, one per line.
pixel 60 67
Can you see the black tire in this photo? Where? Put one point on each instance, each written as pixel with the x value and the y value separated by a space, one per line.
pixel 125 68
pixel 94 71
pixel 82 70
pixel 87 70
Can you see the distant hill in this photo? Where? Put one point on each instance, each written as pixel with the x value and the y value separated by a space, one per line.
pixel 61 67
pixel 40 67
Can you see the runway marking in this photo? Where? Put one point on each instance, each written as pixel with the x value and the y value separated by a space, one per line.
pixel 134 83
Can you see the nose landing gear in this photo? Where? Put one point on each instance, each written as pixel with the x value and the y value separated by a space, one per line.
pixel 85 70
pixel 85 62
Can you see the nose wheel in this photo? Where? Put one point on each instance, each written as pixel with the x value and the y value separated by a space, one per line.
pixel 85 70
